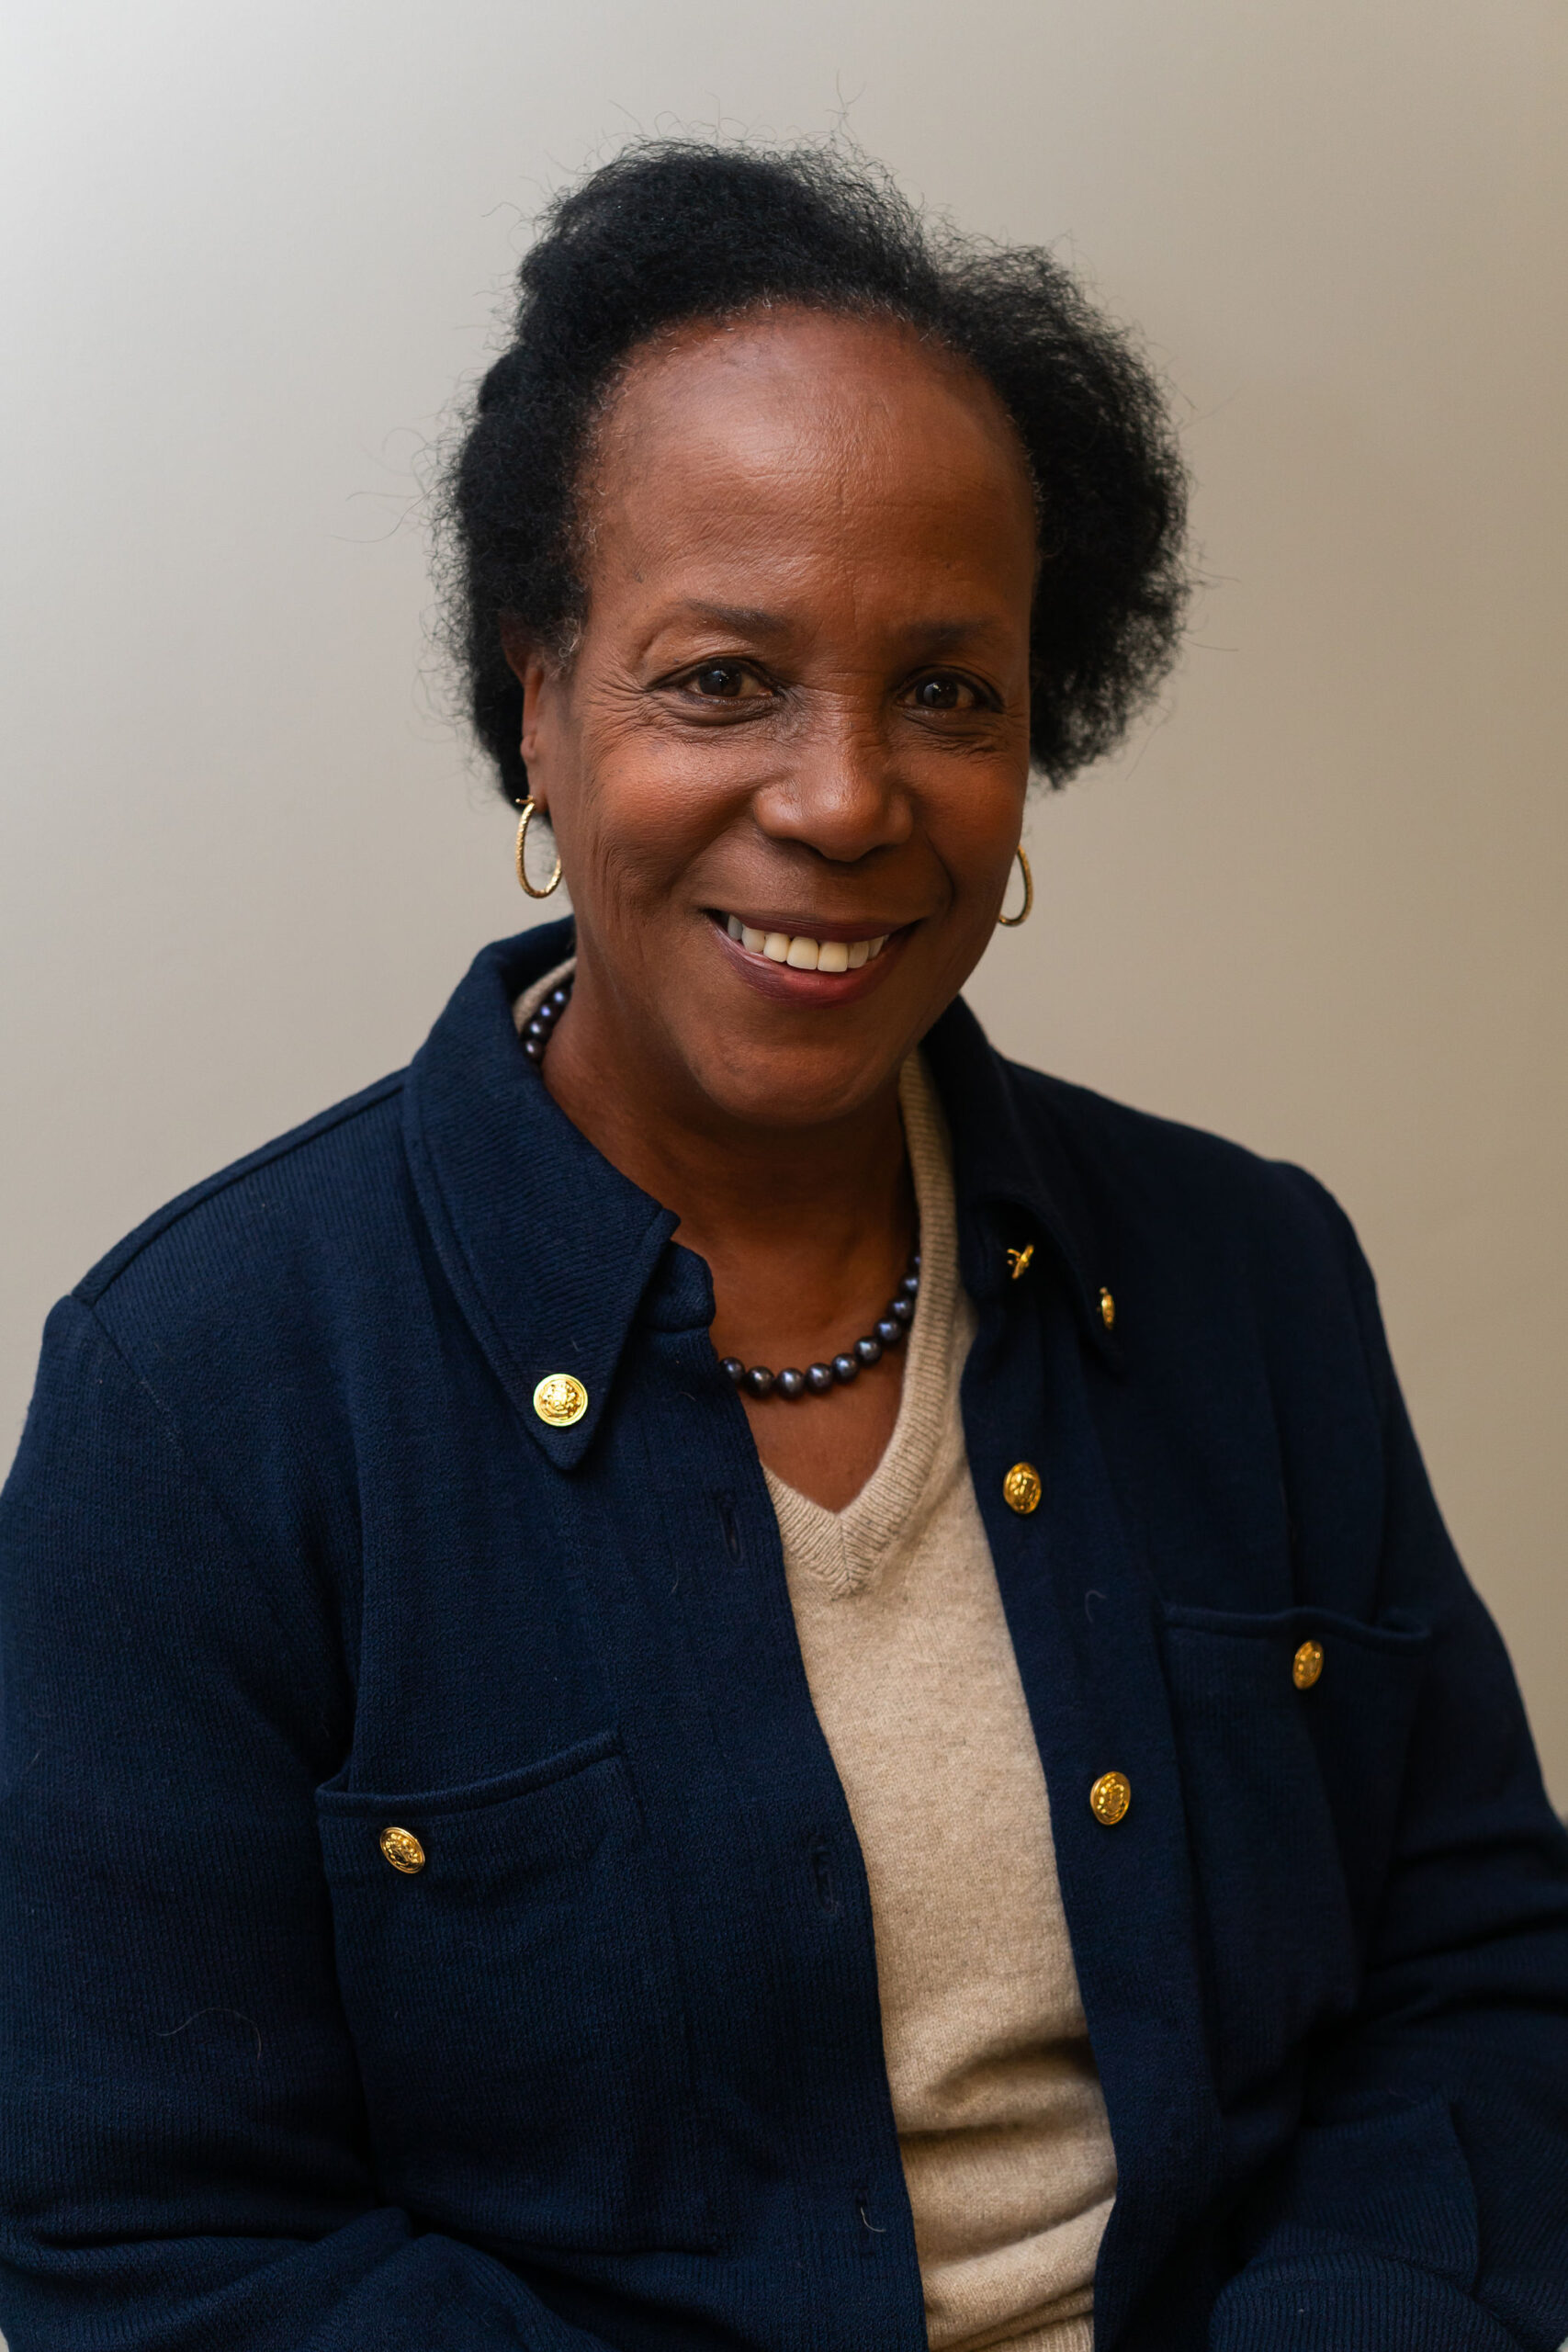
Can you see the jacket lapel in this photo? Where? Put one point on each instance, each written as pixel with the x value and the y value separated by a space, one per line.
pixel 547 1247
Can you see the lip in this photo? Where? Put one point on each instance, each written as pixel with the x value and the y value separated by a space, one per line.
pixel 796 924
pixel 783 984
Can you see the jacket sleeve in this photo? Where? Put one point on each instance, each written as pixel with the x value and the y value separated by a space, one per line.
pixel 184 2164
pixel 1424 2207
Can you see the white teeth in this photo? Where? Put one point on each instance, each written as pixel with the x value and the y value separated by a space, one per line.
pixel 802 953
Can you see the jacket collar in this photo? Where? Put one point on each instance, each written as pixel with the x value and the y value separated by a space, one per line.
pixel 553 1253
pixel 1014 1179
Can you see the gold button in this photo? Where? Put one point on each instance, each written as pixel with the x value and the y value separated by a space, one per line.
pixel 1110 1797
pixel 1022 1488
pixel 560 1400
pixel 1307 1665
pixel 403 1851
pixel 1107 1308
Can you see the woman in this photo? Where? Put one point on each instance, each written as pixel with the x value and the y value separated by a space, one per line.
pixel 716 1671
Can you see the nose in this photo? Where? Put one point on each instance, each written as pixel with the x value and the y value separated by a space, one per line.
pixel 836 791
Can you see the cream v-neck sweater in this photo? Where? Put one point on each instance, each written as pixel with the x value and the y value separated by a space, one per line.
pixel 1001 2124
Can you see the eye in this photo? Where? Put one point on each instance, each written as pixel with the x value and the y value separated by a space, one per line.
pixel 942 690
pixel 724 682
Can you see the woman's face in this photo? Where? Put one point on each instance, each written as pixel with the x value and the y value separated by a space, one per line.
pixel 798 708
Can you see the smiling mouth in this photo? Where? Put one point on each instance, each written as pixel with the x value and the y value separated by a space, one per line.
pixel 800 951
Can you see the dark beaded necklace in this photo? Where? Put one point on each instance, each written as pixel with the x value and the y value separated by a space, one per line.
pixel 537 1032
pixel 818 1379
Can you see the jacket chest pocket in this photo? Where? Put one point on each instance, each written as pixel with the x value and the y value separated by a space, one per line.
pixel 1293 1730
pixel 505 1958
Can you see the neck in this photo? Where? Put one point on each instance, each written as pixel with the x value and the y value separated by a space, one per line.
pixel 823 1214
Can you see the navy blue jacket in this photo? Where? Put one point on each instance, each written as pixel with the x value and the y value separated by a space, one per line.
pixel 289 1558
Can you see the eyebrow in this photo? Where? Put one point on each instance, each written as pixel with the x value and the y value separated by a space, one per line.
pixel 752 620
pixel 755 621
pixel 953 631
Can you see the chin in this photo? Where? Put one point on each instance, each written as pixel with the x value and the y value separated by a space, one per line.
pixel 795 1086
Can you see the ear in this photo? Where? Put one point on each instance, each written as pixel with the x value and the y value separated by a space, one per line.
pixel 537 676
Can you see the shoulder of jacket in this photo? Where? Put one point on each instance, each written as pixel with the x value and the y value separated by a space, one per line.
pixel 356 1122
pixel 1134 1162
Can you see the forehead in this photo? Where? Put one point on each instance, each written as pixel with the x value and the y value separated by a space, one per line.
pixel 806 432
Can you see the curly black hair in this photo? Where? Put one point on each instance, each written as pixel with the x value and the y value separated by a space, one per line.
pixel 673 231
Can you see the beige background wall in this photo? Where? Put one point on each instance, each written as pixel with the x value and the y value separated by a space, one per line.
pixel 252 249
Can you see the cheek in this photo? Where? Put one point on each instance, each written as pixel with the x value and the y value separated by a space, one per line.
pixel 640 815
pixel 975 828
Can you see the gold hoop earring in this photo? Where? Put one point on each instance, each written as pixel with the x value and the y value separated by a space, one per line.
pixel 1011 922
pixel 523 823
